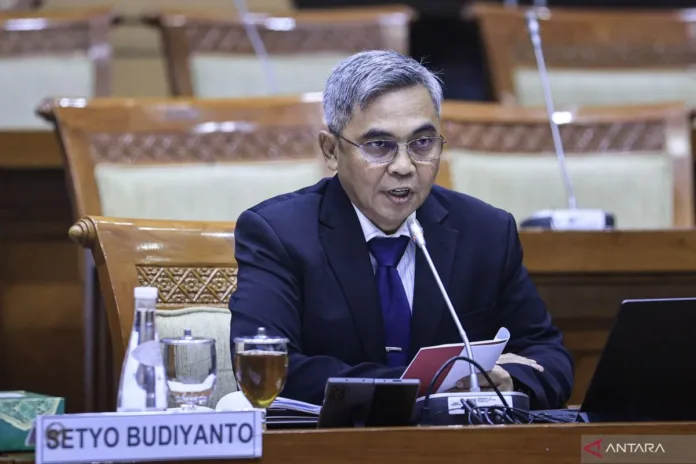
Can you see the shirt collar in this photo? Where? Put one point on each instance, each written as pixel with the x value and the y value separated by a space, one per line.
pixel 371 231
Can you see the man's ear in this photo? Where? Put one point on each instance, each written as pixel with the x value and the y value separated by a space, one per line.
pixel 329 147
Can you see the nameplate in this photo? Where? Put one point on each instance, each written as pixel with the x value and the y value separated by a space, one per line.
pixel 119 437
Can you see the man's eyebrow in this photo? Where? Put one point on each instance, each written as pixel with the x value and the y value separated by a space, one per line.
pixel 427 127
pixel 376 133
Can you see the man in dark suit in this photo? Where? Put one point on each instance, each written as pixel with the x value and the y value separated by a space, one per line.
pixel 331 268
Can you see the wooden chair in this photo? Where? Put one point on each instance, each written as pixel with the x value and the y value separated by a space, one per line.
pixel 594 57
pixel 61 53
pixel 183 158
pixel 192 265
pixel 210 55
pixel 177 159
pixel 633 161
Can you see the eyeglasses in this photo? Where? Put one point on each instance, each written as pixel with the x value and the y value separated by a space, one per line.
pixel 422 149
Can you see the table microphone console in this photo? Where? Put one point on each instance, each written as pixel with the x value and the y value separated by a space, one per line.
pixel 468 408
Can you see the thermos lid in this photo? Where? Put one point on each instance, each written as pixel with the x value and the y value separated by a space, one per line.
pixel 187 339
pixel 261 337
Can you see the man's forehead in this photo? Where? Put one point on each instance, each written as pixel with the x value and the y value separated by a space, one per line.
pixel 397 112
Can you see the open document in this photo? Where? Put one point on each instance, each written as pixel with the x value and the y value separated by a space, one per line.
pixel 430 359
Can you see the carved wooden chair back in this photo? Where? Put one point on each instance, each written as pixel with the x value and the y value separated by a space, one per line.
pixel 185 158
pixel 210 54
pixel 191 264
pixel 634 161
pixel 594 57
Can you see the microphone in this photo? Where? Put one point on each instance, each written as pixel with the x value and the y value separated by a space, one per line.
pixel 572 218
pixel 257 44
pixel 475 401
pixel 416 232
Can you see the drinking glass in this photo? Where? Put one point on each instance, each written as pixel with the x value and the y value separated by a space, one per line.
pixel 261 367
pixel 190 367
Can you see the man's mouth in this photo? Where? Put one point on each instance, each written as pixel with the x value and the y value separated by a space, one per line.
pixel 402 192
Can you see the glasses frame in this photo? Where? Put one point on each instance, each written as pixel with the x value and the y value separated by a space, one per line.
pixel 399 145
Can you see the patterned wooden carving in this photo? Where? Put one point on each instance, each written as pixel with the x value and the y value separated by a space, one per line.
pixel 75 38
pixel 577 138
pixel 609 54
pixel 262 144
pixel 188 286
pixel 232 38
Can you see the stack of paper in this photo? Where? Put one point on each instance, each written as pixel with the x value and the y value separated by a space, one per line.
pixel 294 405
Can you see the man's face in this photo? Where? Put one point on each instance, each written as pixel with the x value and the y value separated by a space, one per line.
pixel 386 193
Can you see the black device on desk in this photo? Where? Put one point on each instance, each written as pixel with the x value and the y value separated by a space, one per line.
pixel 368 402
pixel 645 369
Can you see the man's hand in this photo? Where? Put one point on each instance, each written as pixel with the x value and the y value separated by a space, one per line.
pixel 498 375
pixel 510 358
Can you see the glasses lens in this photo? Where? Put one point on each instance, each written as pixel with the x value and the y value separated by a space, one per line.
pixel 426 148
pixel 380 150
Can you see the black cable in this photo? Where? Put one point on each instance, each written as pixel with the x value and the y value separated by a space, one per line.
pixel 508 414
pixel 424 416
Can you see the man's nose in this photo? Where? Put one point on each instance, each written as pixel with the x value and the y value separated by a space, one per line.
pixel 402 164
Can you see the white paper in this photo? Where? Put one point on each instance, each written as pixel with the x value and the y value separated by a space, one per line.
pixel 14 394
pixel 236 401
pixel 486 354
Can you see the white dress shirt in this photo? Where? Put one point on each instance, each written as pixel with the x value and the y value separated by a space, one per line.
pixel 407 266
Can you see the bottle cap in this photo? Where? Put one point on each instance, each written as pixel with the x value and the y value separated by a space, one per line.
pixel 145 293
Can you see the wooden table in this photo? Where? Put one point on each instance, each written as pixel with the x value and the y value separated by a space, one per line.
pixel 582 276
pixel 532 444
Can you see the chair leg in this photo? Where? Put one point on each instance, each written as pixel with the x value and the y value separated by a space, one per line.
pixel 90 290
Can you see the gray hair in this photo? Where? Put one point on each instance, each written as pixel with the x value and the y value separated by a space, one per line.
pixel 357 80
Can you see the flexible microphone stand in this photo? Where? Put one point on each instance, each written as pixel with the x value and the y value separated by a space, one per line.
pixel 257 44
pixel 416 232
pixel 573 217
pixel 474 399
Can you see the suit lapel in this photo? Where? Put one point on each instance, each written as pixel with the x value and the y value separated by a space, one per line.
pixel 344 244
pixel 429 307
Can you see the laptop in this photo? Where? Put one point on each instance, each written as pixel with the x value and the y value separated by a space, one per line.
pixel 646 369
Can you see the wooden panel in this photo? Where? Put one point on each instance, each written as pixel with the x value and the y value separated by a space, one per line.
pixel 528 444
pixel 40 288
pixel 29 150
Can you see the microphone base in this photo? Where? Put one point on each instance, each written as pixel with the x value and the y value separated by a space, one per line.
pixel 447 408
pixel 570 219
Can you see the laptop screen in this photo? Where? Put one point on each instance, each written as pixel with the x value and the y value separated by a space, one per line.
pixel 646 370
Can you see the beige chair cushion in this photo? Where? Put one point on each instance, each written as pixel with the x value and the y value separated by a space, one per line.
pixel 27 81
pixel 613 87
pixel 637 189
pixel 217 75
pixel 207 322
pixel 203 192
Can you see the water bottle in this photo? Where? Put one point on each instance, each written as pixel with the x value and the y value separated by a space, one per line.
pixel 142 386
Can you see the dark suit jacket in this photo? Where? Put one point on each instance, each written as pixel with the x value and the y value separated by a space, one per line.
pixel 305 273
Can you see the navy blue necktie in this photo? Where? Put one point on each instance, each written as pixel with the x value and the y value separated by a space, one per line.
pixel 396 312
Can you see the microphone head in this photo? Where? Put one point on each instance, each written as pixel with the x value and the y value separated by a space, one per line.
pixel 416 231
